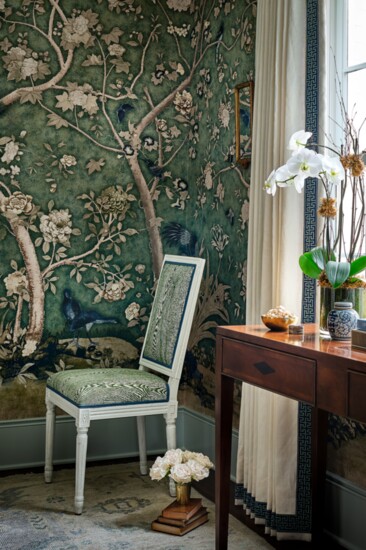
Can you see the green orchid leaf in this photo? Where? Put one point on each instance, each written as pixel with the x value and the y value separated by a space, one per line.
pixel 309 266
pixel 358 265
pixel 319 256
pixel 337 272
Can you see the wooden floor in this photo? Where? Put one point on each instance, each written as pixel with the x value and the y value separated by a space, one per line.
pixel 207 488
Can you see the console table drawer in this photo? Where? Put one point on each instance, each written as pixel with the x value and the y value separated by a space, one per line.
pixel 283 373
pixel 356 395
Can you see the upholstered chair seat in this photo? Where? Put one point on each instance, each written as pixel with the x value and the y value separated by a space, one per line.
pixel 109 387
pixel 95 394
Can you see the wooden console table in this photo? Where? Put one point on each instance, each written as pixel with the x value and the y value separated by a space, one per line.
pixel 328 375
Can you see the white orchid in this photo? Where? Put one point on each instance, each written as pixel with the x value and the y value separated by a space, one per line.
pixel 298 141
pixel 347 166
pixel 302 164
pixel 333 169
pixel 270 184
pixel 306 163
pixel 281 177
pixel 284 178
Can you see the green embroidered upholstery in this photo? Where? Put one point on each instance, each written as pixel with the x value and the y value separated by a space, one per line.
pixel 108 387
pixel 167 312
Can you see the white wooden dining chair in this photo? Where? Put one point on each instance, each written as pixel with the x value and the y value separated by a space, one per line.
pixel 95 394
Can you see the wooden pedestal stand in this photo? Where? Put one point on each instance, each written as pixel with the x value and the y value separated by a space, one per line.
pixel 179 519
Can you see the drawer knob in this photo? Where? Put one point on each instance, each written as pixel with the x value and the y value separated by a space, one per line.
pixel 264 368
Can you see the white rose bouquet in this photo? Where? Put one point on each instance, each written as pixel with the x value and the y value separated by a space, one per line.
pixel 181 466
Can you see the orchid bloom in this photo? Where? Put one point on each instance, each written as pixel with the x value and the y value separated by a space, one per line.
pixel 306 163
pixel 333 169
pixel 298 141
pixel 278 178
pixel 270 183
pixel 284 178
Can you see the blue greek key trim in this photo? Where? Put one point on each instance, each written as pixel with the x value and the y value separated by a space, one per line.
pixel 301 521
pixel 311 124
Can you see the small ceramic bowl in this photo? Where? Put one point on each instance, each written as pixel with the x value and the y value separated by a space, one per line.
pixel 279 324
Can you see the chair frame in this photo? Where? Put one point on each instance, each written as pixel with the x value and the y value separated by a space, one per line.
pixel 84 415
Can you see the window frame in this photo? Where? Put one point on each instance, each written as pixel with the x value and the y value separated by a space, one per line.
pixel 338 71
pixel 337 64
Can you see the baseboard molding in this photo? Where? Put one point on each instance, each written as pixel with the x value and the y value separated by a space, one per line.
pixel 22 446
pixel 199 436
pixel 23 441
pixel 345 512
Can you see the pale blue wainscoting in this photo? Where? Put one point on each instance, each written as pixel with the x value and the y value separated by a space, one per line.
pixel 22 446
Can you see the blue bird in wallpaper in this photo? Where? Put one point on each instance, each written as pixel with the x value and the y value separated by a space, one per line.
pixel 77 318
pixel 176 234
pixel 122 110
pixel 156 170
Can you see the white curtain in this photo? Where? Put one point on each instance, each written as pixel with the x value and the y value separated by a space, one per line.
pixel 267 454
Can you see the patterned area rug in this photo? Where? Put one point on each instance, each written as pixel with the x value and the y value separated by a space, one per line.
pixel 119 508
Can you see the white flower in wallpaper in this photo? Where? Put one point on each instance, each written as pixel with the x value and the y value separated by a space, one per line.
pixel 224 113
pixel 10 152
pixel 68 160
pixel 183 102
pixel 17 283
pixel 179 5
pixel 56 226
pixel 132 311
pixel 16 204
pixel 219 239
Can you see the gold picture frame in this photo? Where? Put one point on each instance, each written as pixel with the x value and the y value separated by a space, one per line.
pixel 244 96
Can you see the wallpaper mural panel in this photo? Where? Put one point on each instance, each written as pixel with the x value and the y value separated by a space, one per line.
pixel 116 146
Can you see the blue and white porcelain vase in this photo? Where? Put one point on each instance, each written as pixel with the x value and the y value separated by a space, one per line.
pixel 342 320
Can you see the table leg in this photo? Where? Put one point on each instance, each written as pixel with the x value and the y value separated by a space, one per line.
pixel 319 459
pixel 224 420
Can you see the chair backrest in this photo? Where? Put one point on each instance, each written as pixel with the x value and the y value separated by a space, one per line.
pixel 171 317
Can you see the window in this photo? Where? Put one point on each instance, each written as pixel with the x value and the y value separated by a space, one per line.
pixel 348 59
pixel 355 64
pixel 347 65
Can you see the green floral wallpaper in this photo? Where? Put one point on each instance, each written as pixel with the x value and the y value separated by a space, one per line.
pixel 116 147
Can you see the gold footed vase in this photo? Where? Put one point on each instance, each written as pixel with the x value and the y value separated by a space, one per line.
pixel 183 495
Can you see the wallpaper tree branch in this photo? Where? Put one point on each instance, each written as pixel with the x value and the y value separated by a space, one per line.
pixel 117 146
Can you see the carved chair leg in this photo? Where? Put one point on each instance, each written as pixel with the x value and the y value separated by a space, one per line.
pixel 81 448
pixel 50 431
pixel 171 438
pixel 141 433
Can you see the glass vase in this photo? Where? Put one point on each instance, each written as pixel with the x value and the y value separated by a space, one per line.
pixel 328 297
pixel 183 493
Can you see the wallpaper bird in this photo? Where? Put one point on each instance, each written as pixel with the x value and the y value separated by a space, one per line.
pixel 77 318
pixel 176 234
pixel 156 170
pixel 122 110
